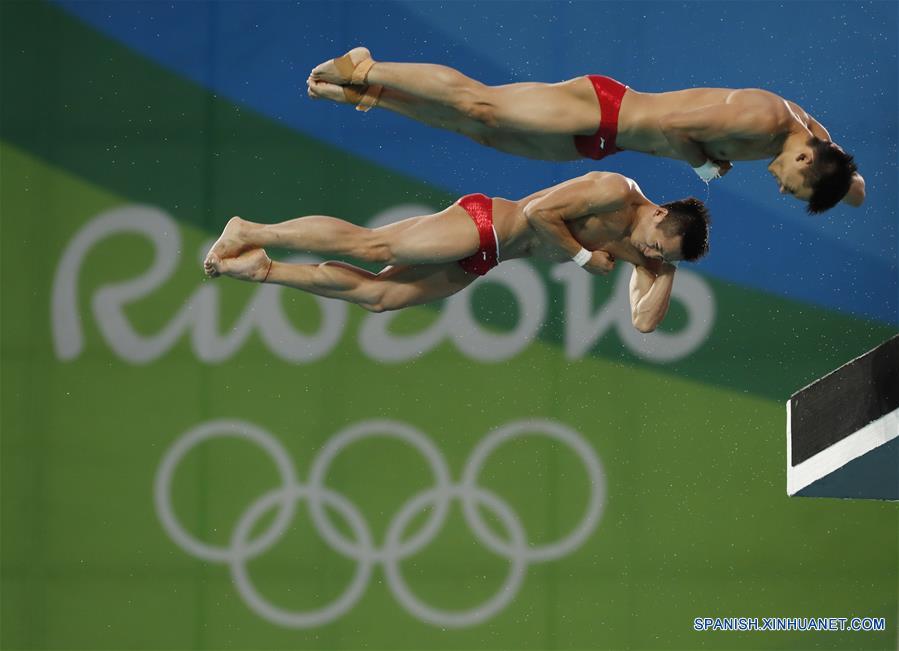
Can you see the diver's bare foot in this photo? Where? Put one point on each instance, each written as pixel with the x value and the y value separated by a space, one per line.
pixel 339 72
pixel 325 90
pixel 231 243
pixel 253 265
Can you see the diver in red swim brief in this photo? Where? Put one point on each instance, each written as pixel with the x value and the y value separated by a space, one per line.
pixel 705 127
pixel 592 220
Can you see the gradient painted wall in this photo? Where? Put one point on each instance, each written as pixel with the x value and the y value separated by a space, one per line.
pixel 197 464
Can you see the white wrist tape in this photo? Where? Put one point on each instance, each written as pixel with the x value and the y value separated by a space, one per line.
pixel 583 257
pixel 708 171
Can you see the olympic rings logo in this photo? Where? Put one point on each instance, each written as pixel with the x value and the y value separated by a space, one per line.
pixel 395 547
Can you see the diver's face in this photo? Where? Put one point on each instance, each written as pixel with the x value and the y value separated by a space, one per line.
pixel 787 169
pixel 653 242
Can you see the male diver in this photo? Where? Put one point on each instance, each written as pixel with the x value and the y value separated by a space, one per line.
pixel 596 116
pixel 592 220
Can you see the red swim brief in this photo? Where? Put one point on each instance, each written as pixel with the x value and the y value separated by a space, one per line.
pixel 480 207
pixel 602 143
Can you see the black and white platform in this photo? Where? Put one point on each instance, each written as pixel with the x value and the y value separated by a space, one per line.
pixel 843 430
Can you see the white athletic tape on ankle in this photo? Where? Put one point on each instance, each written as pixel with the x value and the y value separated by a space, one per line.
pixel 708 171
pixel 583 257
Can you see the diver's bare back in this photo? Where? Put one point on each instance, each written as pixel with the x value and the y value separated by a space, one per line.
pixel 641 116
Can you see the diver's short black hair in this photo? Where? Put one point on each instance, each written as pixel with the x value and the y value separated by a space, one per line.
pixel 829 175
pixel 690 219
